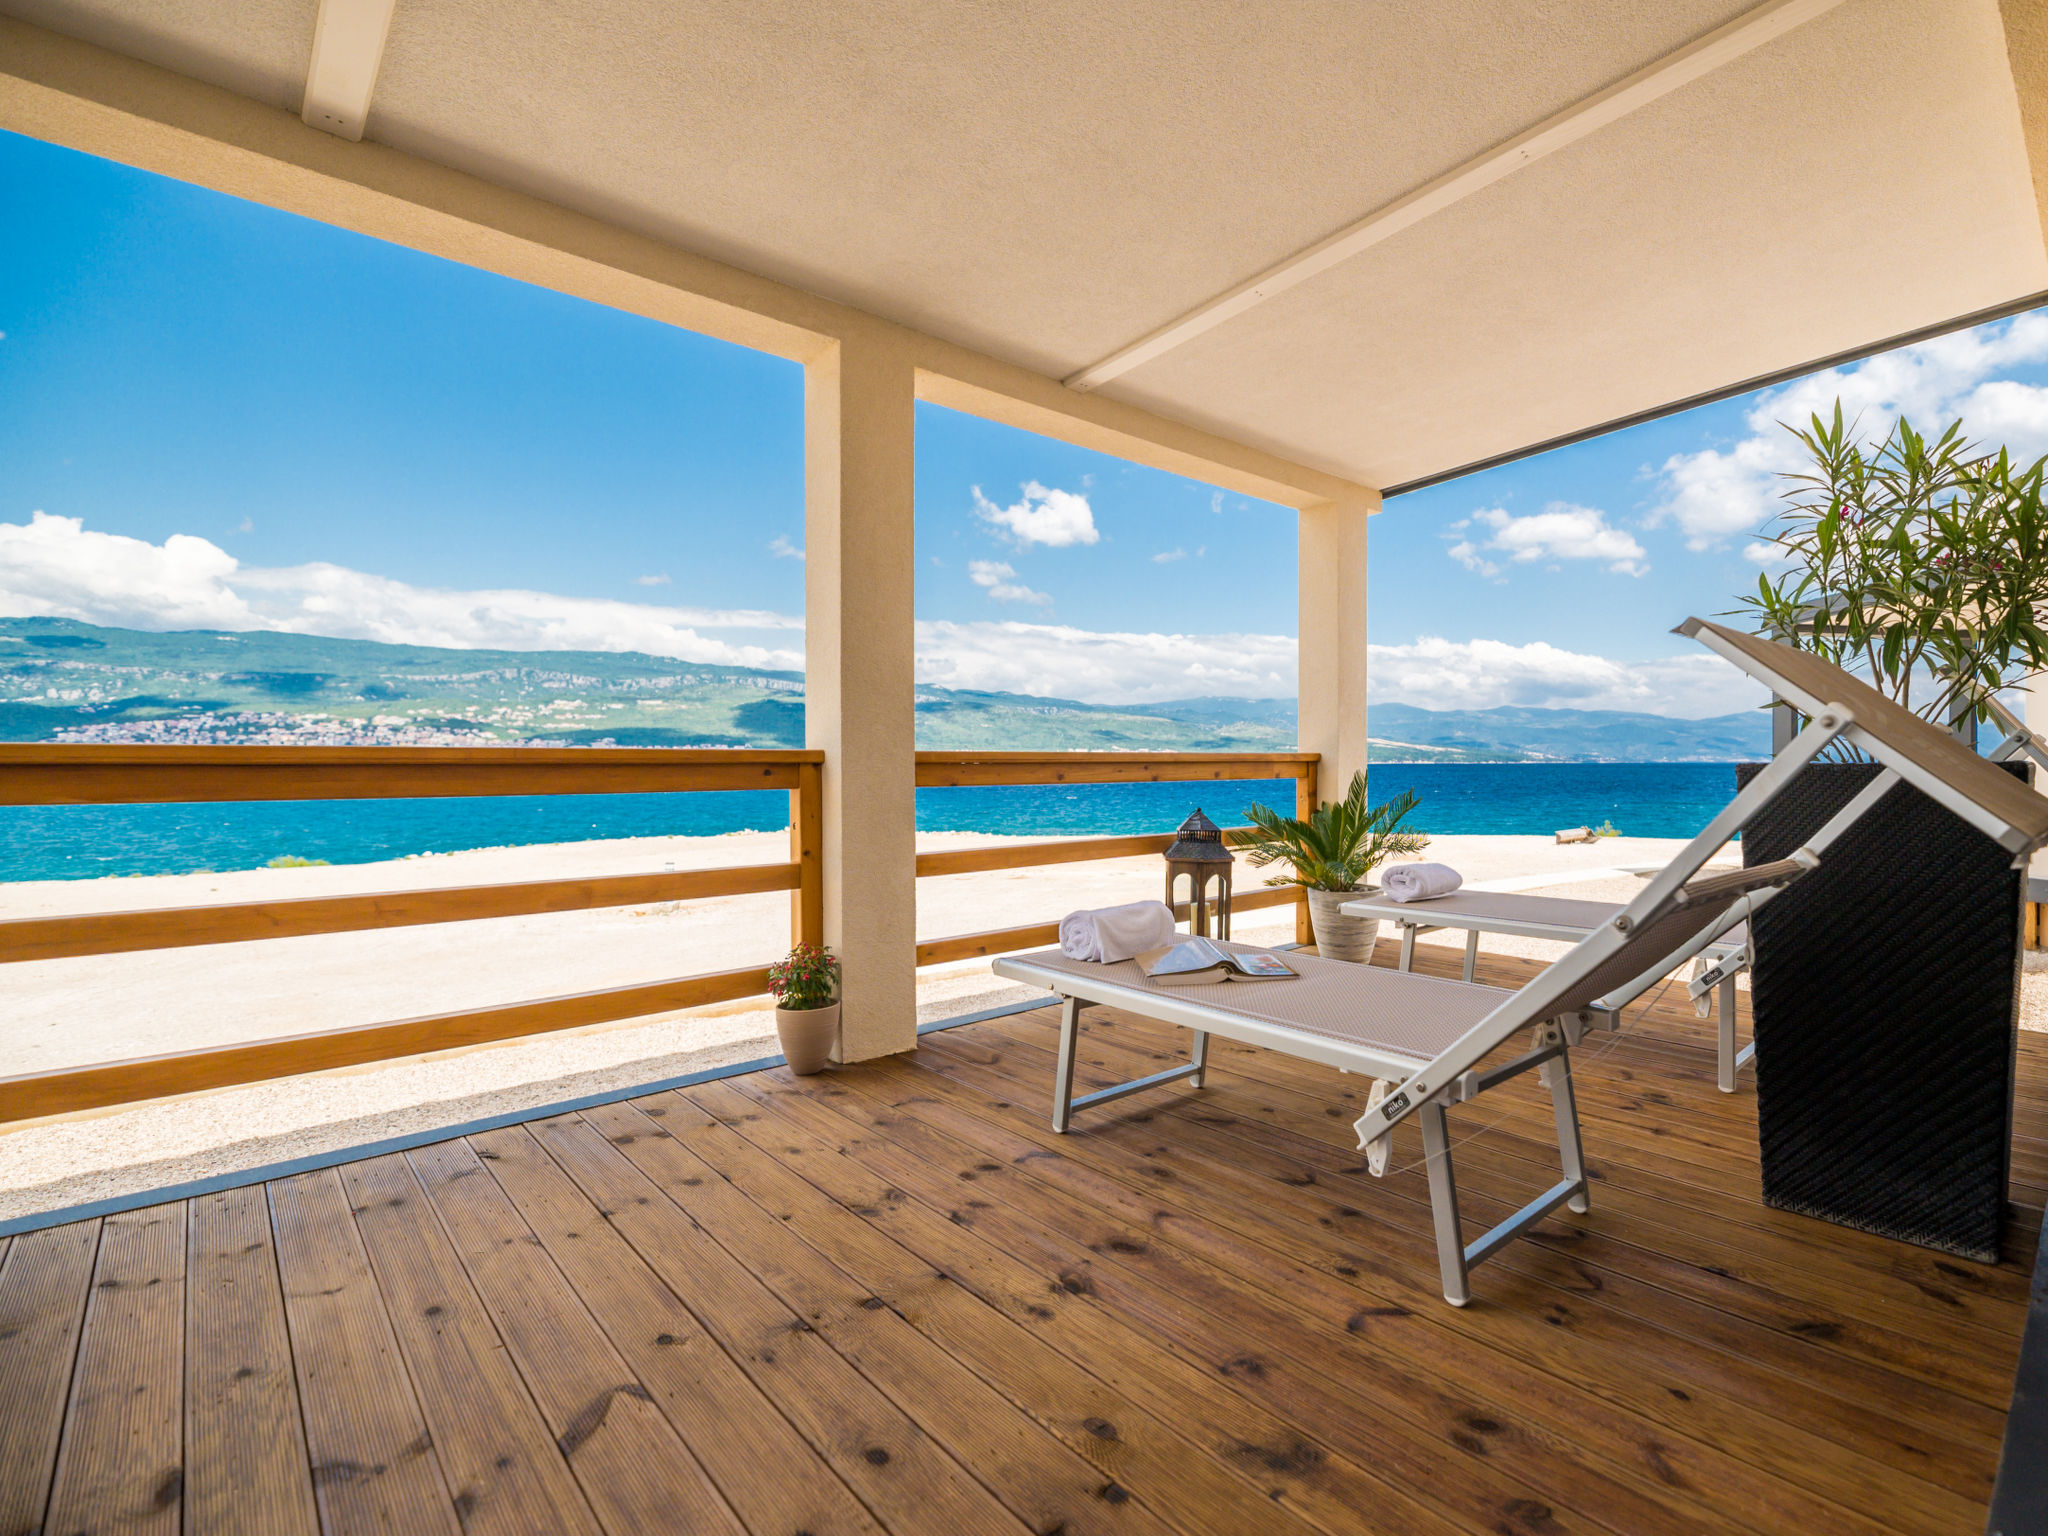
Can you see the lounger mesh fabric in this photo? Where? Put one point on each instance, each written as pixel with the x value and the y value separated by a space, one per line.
pixel 1884 1006
pixel 1397 1011
pixel 1896 727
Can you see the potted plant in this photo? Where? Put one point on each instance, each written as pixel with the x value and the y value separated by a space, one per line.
pixel 1922 565
pixel 806 985
pixel 1331 851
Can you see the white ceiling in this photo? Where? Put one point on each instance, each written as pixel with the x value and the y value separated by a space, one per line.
pixel 1048 183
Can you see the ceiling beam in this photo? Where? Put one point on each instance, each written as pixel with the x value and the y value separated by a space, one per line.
pixel 348 46
pixel 1702 56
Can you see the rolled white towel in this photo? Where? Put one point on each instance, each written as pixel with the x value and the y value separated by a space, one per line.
pixel 1419 882
pixel 1116 933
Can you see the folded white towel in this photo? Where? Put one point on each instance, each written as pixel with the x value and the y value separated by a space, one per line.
pixel 1419 882
pixel 1116 933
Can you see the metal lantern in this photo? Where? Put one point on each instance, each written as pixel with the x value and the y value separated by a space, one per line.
pixel 1198 853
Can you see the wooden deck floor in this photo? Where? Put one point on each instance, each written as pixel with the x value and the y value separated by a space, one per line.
pixel 889 1299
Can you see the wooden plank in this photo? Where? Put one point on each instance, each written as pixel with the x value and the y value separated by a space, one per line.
pixel 151 1077
pixel 109 933
pixel 1226 1138
pixel 967 861
pixel 900 1473
pixel 1620 1342
pixel 764 1468
pixel 373 1462
pixel 42 773
pixel 1046 1482
pixel 43 1288
pixel 121 1466
pixel 948 770
pixel 246 1472
pixel 499 1456
pixel 1084 1394
pixel 1344 1401
pixel 997 941
pixel 1416 1344
pixel 807 852
pixel 634 1468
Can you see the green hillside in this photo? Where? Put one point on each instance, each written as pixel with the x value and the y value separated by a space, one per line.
pixel 62 680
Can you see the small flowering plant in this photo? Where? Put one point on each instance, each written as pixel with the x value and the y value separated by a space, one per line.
pixel 808 978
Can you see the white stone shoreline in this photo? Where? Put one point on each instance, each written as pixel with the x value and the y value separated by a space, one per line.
pixel 70 1012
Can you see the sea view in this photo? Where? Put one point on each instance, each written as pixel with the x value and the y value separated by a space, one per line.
pixel 89 842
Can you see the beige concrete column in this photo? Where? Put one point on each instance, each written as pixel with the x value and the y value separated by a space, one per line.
pixel 860 565
pixel 1332 630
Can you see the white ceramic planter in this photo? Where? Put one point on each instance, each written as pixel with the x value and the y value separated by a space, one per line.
pixel 1339 937
pixel 807 1036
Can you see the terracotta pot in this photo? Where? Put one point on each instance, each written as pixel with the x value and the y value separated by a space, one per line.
pixel 807 1036
pixel 1339 937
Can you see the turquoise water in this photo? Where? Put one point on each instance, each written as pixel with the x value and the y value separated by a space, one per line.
pixel 85 842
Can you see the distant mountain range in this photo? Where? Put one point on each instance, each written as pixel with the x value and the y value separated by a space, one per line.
pixel 62 680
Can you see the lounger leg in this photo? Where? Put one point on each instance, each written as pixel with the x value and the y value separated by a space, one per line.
pixel 1443 1204
pixel 1201 1058
pixel 1726 1054
pixel 1063 1073
pixel 1471 954
pixel 1407 946
pixel 1557 1077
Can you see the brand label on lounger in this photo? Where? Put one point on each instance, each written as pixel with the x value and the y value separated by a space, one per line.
pixel 1394 1107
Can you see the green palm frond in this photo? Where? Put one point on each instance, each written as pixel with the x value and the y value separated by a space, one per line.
pixel 1337 845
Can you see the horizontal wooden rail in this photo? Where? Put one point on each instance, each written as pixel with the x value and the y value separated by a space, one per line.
pixel 39 773
pixel 952 770
pixel 968 861
pixel 999 941
pixel 113 933
pixel 153 1077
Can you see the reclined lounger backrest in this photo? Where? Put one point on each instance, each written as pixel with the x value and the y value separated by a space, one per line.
pixel 1679 913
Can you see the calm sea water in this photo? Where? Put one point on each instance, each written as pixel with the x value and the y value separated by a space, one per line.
pixel 84 842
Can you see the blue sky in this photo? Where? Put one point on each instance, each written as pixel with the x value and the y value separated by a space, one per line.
pixel 215 414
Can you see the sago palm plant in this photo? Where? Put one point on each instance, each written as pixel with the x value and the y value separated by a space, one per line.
pixel 1335 846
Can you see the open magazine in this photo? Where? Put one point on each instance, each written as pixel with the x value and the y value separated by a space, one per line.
pixel 1199 961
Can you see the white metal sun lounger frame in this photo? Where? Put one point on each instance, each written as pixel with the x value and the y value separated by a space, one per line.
pixel 1669 922
pixel 1722 961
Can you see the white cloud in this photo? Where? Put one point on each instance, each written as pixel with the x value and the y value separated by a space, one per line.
pixel 1560 531
pixel 1718 493
pixel 1168 556
pixel 56 567
pixel 995 577
pixel 246 525
pixel 660 580
pixel 1100 667
pixel 782 549
pixel 1054 518
pixel 1485 674
pixel 1216 502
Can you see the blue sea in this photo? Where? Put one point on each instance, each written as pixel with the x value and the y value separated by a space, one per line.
pixel 86 842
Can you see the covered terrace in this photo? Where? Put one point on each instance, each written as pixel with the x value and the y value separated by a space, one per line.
pixel 1314 255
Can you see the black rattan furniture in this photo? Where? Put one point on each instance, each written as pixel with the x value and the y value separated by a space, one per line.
pixel 1885 1005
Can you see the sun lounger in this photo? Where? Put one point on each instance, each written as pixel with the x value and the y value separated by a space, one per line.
pixel 1568 921
pixel 1430 1041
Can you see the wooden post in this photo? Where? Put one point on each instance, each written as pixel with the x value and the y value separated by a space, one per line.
pixel 807 852
pixel 1304 804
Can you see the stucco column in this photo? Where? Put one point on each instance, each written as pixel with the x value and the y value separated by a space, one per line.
pixel 859 464
pixel 1332 629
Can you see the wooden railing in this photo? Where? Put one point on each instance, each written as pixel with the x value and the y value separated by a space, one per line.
pixel 121 775
pixel 947 770
pixel 39 774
